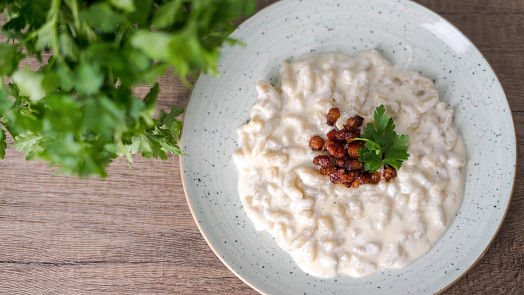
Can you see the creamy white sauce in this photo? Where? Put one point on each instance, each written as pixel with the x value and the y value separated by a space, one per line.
pixel 329 229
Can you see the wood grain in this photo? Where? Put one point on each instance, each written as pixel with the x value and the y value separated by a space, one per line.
pixel 133 233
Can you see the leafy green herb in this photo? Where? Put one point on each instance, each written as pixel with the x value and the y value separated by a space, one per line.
pixel 78 110
pixel 383 146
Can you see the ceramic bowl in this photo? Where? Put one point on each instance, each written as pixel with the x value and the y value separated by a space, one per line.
pixel 412 38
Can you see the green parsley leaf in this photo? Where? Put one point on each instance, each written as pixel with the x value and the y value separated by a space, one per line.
pixel 78 111
pixel 102 17
pixel 30 144
pixel 167 14
pixel 126 5
pixel 9 58
pixel 29 84
pixel 5 103
pixel 88 78
pixel 398 152
pixel 383 146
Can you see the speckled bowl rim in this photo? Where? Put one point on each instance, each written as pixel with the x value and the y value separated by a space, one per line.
pixel 181 159
pixel 466 271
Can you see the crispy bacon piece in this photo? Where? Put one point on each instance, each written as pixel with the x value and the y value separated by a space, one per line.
pixel 327 170
pixel 316 143
pixel 321 160
pixel 352 149
pixel 328 142
pixel 389 172
pixel 335 175
pixel 354 164
pixel 349 177
pixel 375 177
pixel 332 116
pixel 354 122
pixel 349 164
pixel 340 163
pixel 335 149
pixel 346 135
pixel 332 134
pixel 364 178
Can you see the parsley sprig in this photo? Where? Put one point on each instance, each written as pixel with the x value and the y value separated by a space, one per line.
pixel 78 110
pixel 383 146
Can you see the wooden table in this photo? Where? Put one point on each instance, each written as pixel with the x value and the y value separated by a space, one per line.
pixel 133 233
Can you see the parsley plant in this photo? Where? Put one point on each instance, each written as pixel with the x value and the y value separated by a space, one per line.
pixel 78 111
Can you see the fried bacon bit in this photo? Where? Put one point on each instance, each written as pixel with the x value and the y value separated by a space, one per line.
pixel 375 177
pixel 364 178
pixel 389 172
pixel 332 116
pixel 335 149
pixel 346 135
pixel 335 176
pixel 352 149
pixel 353 164
pixel 316 143
pixel 348 177
pixel 332 135
pixel 327 170
pixel 338 162
pixel 354 122
pixel 349 164
pixel 322 161
pixel 328 142
pixel 342 164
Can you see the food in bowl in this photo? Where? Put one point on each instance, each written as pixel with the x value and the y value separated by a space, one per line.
pixel 328 228
pixel 353 160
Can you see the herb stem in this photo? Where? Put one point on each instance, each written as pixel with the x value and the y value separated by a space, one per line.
pixel 53 15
